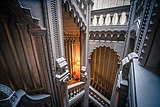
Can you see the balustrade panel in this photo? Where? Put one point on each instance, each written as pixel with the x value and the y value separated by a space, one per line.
pixel 110 16
pixel 75 89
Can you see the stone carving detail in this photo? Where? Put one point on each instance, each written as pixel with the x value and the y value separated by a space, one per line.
pixel 54 10
pixel 145 22
pixel 5 90
pixel 153 23
pixel 97 46
pixel 109 35
pixel 84 74
pixel 63 72
pixel 77 13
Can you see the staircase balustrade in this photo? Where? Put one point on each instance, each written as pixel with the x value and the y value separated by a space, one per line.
pixel 75 92
pixel 98 98
pixel 110 16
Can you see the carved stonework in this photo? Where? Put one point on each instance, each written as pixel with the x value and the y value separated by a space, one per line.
pixel 62 75
pixel 77 13
pixel 149 33
pixel 107 35
pixel 55 23
pixel 107 44
pixel 144 26
pixel 23 51
pixel 84 74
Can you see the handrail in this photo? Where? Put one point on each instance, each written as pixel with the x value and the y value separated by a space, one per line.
pixel 98 96
pixel 75 85
pixel 76 97
pixel 116 14
pixel 75 92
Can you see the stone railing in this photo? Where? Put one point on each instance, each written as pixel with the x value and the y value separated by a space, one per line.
pixel 110 16
pixel 75 92
pixel 97 98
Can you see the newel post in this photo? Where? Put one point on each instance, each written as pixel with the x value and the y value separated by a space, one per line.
pixel 62 75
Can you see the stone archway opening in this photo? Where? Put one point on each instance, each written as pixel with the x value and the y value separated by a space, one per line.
pixel 104 66
pixel 72 44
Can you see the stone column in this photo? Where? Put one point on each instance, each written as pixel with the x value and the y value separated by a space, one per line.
pixel 56 28
pixel 122 93
pixel 127 44
pixel 60 27
pixel 86 98
pixel 61 81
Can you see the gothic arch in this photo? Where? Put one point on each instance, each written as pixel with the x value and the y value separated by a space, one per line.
pixel 98 46
pixel 104 67
pixel 69 7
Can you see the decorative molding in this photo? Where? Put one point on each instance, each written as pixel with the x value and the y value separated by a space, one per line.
pixel 145 24
pixel 84 74
pixel 62 70
pixel 107 35
pixel 111 28
pixel 77 14
pixel 149 33
pixel 55 25
pixel 98 46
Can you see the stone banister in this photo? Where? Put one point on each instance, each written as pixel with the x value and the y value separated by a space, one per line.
pixel 119 10
pixel 75 92
pixel 98 98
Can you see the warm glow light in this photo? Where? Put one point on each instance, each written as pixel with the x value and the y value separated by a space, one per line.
pixel 77 63
pixel 77 68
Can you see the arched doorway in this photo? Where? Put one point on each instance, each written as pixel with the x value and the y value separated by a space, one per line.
pixel 104 66
pixel 72 29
